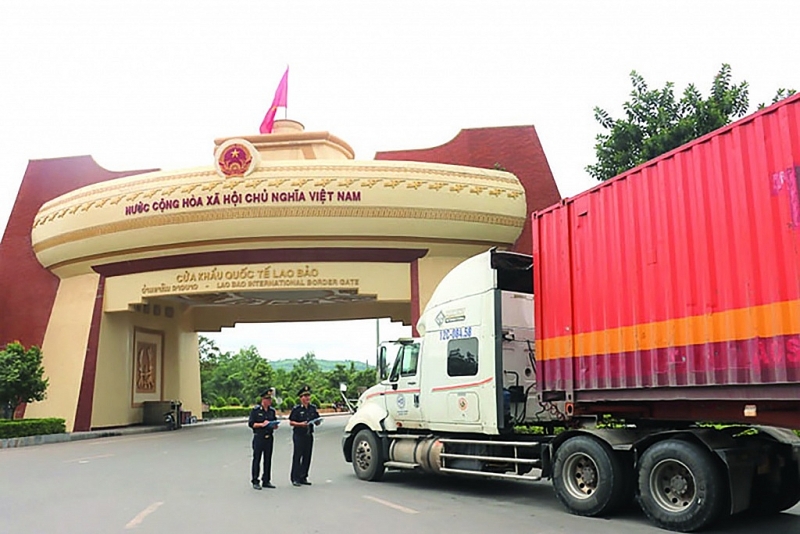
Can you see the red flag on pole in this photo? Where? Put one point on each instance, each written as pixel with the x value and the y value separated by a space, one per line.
pixel 277 102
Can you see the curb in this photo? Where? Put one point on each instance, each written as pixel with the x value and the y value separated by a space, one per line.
pixel 27 441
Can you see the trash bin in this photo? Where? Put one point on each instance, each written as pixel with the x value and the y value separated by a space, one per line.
pixel 186 417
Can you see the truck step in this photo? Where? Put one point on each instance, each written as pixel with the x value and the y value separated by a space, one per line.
pixel 401 465
pixel 534 462
pixel 491 442
pixel 534 478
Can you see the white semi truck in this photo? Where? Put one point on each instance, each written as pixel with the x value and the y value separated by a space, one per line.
pixel 449 401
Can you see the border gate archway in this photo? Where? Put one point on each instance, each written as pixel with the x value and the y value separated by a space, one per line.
pixel 283 227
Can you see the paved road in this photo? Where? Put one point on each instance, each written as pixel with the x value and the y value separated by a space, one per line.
pixel 197 480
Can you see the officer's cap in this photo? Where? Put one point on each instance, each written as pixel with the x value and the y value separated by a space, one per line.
pixel 305 390
pixel 266 394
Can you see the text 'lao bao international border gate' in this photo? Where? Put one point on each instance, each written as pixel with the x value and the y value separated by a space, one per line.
pixel 251 277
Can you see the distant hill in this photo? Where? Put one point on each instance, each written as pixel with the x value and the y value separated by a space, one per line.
pixel 324 365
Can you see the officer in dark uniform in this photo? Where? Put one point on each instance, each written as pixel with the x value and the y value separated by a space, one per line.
pixel 303 418
pixel 260 417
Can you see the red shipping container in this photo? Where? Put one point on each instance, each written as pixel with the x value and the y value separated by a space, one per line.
pixel 680 278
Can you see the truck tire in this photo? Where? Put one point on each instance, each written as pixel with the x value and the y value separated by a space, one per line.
pixel 588 477
pixel 368 461
pixel 681 486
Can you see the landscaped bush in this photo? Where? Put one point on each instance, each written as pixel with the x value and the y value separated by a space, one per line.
pixel 288 403
pixel 226 411
pixel 31 427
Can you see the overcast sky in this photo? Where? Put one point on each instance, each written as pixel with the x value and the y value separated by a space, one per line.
pixel 151 83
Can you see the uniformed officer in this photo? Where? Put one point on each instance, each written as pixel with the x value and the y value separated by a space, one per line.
pixel 303 418
pixel 260 417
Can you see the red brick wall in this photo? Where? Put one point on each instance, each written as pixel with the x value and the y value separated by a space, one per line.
pixel 515 149
pixel 27 290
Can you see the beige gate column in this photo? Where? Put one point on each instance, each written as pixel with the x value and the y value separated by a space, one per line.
pixel 65 348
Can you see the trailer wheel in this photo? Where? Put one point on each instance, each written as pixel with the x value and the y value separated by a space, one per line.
pixel 790 494
pixel 588 477
pixel 777 496
pixel 368 456
pixel 681 487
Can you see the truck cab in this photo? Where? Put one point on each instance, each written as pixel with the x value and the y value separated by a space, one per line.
pixel 470 373
pixel 472 368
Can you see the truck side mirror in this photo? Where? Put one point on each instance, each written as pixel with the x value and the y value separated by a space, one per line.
pixel 382 371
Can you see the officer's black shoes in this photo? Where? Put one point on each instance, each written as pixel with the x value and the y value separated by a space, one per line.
pixel 296 483
pixel 256 485
pixel 305 482
pixel 267 485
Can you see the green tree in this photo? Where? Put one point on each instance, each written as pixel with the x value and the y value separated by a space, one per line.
pixel 780 94
pixel 209 352
pixel 21 377
pixel 306 372
pixel 338 375
pixel 241 376
pixel 308 364
pixel 656 123
pixel 363 379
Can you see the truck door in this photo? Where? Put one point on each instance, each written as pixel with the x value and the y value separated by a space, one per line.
pixel 402 393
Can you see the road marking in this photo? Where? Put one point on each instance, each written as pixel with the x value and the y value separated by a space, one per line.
pixel 118 439
pixel 144 513
pixel 391 505
pixel 207 439
pixel 86 459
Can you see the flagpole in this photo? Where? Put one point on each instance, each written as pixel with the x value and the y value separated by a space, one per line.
pixel 286 107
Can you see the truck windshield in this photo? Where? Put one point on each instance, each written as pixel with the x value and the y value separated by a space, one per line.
pixel 394 358
pixel 405 363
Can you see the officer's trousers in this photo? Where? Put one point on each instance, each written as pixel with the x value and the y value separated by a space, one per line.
pixel 301 457
pixel 262 448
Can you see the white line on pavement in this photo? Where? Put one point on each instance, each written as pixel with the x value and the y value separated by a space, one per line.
pixel 144 513
pixel 86 459
pixel 391 505
pixel 117 439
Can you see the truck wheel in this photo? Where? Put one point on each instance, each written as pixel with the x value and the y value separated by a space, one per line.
pixel 368 456
pixel 587 476
pixel 681 487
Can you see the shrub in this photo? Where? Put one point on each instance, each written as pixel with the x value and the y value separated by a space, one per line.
pixel 31 427
pixel 288 403
pixel 315 400
pixel 21 376
pixel 234 401
pixel 226 411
